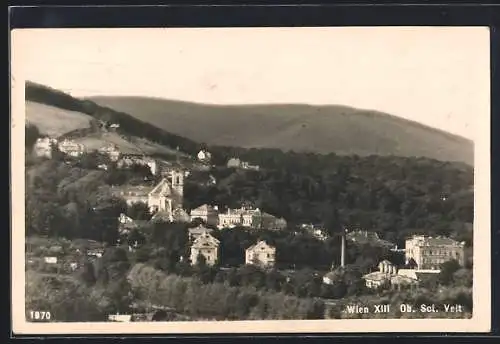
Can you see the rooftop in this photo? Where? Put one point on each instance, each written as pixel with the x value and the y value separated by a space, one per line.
pixel 377 276
pixel 435 241
pixel 204 240
pixel 199 230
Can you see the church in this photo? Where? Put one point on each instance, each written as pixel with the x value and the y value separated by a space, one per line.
pixel 163 198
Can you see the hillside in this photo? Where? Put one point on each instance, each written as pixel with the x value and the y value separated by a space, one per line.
pixel 301 128
pixel 56 113
pixel 55 121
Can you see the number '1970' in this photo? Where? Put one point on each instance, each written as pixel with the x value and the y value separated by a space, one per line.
pixel 39 315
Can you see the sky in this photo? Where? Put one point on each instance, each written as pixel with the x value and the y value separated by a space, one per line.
pixel 436 76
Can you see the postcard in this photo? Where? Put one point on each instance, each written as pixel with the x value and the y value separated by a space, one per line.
pixel 251 180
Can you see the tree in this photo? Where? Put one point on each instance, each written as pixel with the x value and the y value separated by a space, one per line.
pixel 447 270
pixel 112 266
pixel 87 273
pixel 139 211
pixel 31 134
pixel 119 293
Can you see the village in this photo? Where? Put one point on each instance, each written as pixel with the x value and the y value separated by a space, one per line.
pixel 423 255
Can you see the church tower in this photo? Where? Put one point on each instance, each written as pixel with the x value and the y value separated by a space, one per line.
pixel 178 184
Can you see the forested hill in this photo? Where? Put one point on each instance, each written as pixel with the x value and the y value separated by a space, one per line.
pixel 300 128
pixel 128 125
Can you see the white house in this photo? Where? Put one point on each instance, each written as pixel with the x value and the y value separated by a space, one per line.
pixel 43 147
pixel 50 260
pixel 71 148
pixel 204 155
pixel 209 214
pixel 196 232
pixel 206 246
pixel 261 254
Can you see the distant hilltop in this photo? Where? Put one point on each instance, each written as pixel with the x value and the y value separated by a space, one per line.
pixel 301 128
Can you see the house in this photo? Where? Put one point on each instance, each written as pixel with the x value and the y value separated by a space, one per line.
pixel 231 218
pixel 316 231
pixel 96 252
pixel 196 232
pixel 377 279
pixel 207 246
pixel 44 146
pixel 382 277
pixel 237 163
pixel 234 163
pixel 71 148
pixel 332 276
pixel 261 254
pixel 390 275
pixel 430 252
pixel 111 151
pixel 50 260
pixel 120 317
pixel 209 214
pixel 387 267
pixel 250 218
pixel 245 165
pixel 126 224
pixel 204 156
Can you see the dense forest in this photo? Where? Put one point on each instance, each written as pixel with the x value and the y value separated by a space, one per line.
pixel 391 195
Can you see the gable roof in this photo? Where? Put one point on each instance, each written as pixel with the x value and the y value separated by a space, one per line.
pixel 376 276
pixel 199 230
pixel 206 240
pixel 204 207
pixel 434 241
pixel 260 245
pixel 163 188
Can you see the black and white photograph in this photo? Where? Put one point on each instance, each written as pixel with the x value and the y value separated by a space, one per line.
pixel 327 179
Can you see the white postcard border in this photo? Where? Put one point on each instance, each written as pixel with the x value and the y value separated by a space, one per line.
pixel 480 321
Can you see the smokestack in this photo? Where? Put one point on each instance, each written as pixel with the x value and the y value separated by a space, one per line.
pixel 342 252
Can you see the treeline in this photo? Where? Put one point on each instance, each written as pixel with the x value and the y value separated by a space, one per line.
pixel 218 300
pixel 391 195
pixel 128 124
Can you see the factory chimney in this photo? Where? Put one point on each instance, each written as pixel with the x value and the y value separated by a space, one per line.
pixel 342 249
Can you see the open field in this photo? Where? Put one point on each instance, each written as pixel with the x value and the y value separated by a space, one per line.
pixel 126 145
pixel 54 121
